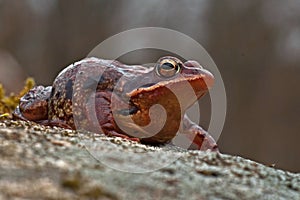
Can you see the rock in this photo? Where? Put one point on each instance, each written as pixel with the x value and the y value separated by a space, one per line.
pixel 39 162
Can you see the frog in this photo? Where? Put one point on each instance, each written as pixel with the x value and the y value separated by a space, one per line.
pixel 115 99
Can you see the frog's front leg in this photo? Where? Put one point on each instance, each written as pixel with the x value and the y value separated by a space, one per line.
pixel 105 118
pixel 200 139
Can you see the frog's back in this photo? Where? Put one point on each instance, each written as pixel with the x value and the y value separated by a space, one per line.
pixel 76 83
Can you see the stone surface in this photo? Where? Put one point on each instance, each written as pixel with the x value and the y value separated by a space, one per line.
pixel 40 162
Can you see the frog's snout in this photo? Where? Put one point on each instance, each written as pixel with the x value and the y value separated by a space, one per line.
pixel 208 78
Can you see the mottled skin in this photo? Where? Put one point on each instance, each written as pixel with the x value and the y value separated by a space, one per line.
pixel 106 96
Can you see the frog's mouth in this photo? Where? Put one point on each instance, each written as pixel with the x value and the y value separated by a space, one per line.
pixel 148 85
pixel 128 111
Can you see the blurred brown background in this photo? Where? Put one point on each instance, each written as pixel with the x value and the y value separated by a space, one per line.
pixel 255 44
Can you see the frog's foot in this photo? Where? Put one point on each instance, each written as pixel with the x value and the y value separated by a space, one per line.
pixel 18 115
pixel 57 123
pixel 200 139
pixel 110 129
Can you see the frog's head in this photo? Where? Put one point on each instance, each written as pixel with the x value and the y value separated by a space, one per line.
pixel 188 81
pixel 173 85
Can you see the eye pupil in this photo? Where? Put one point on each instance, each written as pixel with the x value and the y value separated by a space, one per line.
pixel 168 66
pixel 167 69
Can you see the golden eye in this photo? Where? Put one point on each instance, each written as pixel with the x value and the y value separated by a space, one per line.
pixel 167 68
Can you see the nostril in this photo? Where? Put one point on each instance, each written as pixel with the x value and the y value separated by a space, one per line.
pixel 192 63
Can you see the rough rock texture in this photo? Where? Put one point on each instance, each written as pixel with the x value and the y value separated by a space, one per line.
pixel 39 162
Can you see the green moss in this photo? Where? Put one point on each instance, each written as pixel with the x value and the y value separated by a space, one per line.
pixel 10 102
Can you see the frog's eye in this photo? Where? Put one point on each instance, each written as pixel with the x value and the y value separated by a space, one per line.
pixel 167 69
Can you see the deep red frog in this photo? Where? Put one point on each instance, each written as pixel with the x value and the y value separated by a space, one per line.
pixel 116 99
